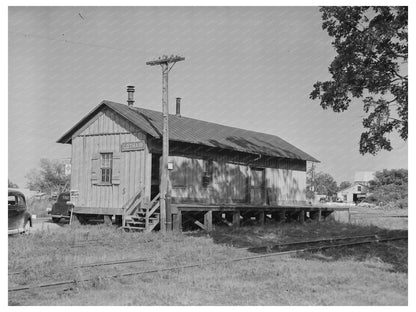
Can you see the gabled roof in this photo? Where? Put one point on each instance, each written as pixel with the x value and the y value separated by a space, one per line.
pixel 189 130
pixel 352 186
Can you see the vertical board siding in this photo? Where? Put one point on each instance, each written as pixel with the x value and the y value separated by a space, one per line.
pixel 106 134
pixel 189 171
pixel 287 185
pixel 230 181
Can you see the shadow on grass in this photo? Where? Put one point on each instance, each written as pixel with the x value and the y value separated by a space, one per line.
pixel 260 239
pixel 393 253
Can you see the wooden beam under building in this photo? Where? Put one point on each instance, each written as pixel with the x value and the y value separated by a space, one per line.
pixel 236 219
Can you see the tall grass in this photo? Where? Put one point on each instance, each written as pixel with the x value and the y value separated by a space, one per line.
pixel 360 277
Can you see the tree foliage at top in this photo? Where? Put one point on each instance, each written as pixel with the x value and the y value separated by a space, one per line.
pixel 49 178
pixel 371 63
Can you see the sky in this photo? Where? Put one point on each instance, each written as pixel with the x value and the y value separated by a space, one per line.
pixel 247 67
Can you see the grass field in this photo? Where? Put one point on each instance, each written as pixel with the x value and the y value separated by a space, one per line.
pixel 368 275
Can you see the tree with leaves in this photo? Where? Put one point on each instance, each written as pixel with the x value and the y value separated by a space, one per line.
pixel 371 64
pixel 344 184
pixel 320 183
pixel 49 178
pixel 389 186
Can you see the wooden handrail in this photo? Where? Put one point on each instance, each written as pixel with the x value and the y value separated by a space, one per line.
pixel 132 199
pixel 151 208
pixel 133 202
pixel 154 209
pixel 134 206
pixel 154 199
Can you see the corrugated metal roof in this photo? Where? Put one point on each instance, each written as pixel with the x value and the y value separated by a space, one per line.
pixel 189 130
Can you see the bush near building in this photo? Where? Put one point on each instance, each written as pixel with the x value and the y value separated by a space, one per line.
pixel 390 187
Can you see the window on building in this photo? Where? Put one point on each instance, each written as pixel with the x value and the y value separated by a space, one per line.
pixel 359 188
pixel 106 167
pixel 207 176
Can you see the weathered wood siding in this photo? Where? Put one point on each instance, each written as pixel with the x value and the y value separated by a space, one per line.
pixel 286 184
pixel 105 133
pixel 231 181
pixel 186 178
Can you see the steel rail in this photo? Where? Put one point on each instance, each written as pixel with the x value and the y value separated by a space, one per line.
pixel 94 264
pixel 193 265
pixel 111 262
pixel 316 241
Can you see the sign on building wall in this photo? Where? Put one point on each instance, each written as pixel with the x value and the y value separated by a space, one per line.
pixel 67 169
pixel 132 146
pixel 67 165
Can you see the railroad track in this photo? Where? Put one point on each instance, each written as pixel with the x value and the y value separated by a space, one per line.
pixel 95 264
pixel 267 252
pixel 333 241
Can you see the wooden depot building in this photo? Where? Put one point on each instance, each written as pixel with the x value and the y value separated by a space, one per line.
pixel 217 173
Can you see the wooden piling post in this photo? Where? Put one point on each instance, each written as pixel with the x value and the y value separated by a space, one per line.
pixel 75 219
pixel 107 220
pixel 236 219
pixel 319 215
pixel 260 217
pixel 282 216
pixel 119 220
pixel 72 213
pixel 208 220
pixel 177 221
pixel 302 216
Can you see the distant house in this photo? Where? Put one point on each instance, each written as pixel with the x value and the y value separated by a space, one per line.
pixel 353 193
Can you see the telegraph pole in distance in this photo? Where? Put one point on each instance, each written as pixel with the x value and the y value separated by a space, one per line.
pixel 165 215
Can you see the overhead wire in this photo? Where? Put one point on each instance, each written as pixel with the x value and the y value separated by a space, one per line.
pixel 68 41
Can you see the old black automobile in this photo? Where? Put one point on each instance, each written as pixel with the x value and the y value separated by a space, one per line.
pixel 20 220
pixel 62 208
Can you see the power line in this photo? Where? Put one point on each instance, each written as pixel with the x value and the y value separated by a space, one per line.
pixel 94 45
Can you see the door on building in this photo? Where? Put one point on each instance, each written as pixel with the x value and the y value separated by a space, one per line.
pixel 155 189
pixel 355 198
pixel 257 186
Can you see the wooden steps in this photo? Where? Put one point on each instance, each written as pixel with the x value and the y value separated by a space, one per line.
pixel 140 215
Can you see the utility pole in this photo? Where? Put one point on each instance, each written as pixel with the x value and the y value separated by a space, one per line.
pixel 165 214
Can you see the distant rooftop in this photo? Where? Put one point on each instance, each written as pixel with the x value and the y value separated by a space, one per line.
pixel 363 176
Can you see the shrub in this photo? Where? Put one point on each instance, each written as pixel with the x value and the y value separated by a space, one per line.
pixel 390 187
